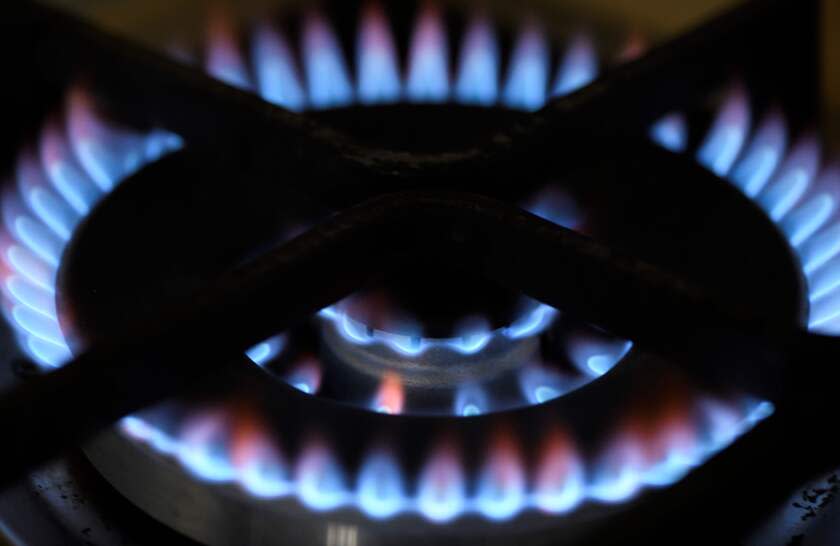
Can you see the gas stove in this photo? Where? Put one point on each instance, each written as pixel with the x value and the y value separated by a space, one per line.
pixel 391 273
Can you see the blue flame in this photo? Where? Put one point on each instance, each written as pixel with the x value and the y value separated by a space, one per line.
pixel 798 194
pixel 277 77
pixel 305 376
pixel 470 400
pixel 503 488
pixel 478 73
pixel 378 73
pixel 266 479
pixel 326 73
pixel 471 340
pixel 441 494
pixel 378 78
pixel 320 479
pixel 671 132
pixel 25 263
pixel 532 323
pixel 579 66
pixel 527 80
pixel 64 172
pixel 37 325
pixel 789 185
pixel 804 221
pixel 428 68
pixel 54 190
pixel 501 492
pixel 557 207
pixel 594 356
pixel 820 249
pixel 559 483
pixel 728 133
pixel 266 351
pixel 42 200
pixel 540 385
pixel 36 236
pixel 224 59
pixel 619 477
pixel 380 486
pixel 204 449
pixel 33 296
pixel 762 156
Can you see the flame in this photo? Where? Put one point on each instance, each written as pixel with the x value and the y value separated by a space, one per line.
pixel 378 79
pixel 594 355
pixel 204 445
pixel 501 483
pixel 473 336
pixel 320 479
pixel 326 72
pixel 39 196
pixel 378 74
pixel 64 172
pixel 728 133
pixel 656 444
pixel 470 400
pixel 29 232
pixel 478 72
pixel 792 179
pixel 796 192
pixel 278 80
pixel 762 156
pixel 816 209
pixel 579 66
pixel 381 490
pixel 671 132
pixel 428 72
pixel 527 81
pixel 266 351
pixel 305 376
pixel 441 494
pixel 559 481
pixel 262 470
pixel 556 206
pixel 224 59
pixel 390 398
pixel 541 384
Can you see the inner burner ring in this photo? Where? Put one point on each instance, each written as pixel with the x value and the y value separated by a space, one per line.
pixel 445 363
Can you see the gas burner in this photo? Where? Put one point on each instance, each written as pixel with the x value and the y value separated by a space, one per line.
pixel 429 392
pixel 481 370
